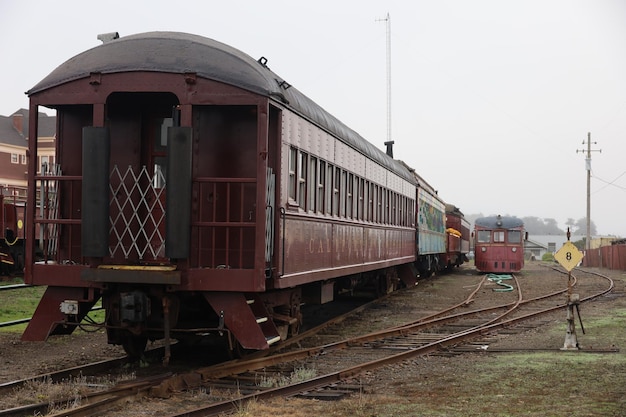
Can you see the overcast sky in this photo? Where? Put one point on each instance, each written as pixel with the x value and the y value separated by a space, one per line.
pixel 491 99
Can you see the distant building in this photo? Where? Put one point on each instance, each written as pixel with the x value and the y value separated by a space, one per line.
pixel 553 243
pixel 534 250
pixel 14 148
pixel 539 244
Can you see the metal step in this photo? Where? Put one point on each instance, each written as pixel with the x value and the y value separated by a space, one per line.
pixel 272 340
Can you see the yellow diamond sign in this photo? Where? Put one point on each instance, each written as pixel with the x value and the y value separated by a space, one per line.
pixel 568 256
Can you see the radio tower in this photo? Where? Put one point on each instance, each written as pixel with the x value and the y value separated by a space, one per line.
pixel 588 167
pixel 389 142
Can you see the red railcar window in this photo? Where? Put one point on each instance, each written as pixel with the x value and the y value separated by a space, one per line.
pixel 329 189
pixel 336 191
pixel 515 236
pixel 302 171
pixel 363 187
pixel 370 203
pixel 484 236
pixel 498 236
pixel 293 163
pixel 313 184
pixel 350 196
pixel 321 184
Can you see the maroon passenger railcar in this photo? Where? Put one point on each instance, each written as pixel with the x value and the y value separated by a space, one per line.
pixel 199 194
pixel 499 244
pixel 457 237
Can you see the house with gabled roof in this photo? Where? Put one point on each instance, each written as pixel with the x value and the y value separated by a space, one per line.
pixel 14 149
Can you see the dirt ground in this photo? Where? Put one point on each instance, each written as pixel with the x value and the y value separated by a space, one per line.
pixel 477 384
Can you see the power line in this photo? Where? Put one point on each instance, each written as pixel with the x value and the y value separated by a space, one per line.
pixel 609 183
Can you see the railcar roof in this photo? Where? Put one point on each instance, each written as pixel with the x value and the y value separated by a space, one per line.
pixel 499 222
pixel 176 52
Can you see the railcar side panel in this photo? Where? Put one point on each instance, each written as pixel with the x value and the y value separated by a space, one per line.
pixel 306 136
pixel 430 224
pixel 376 173
pixel 321 249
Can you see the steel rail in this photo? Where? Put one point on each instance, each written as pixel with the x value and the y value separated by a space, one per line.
pixel 14 287
pixel 455 338
pixel 251 364
pixel 91 401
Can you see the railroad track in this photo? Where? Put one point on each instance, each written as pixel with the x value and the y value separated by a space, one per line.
pixel 426 335
pixel 98 400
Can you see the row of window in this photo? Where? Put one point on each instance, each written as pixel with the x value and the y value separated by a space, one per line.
pixel 499 236
pixel 44 161
pixel 18 158
pixel 318 186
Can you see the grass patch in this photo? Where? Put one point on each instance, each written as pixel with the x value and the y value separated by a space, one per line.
pixel 298 375
pixel 18 304
pixel 21 303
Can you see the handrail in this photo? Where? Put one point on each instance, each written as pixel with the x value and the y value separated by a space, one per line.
pixel 283 216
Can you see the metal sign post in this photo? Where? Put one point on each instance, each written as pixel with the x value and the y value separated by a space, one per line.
pixel 569 256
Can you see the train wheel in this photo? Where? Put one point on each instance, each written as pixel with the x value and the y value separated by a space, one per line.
pixel 134 345
pixel 387 282
pixel 239 352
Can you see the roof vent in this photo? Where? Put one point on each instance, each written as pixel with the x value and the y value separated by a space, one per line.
pixel 389 145
pixel 108 37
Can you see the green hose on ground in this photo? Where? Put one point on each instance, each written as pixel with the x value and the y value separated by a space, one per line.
pixel 498 278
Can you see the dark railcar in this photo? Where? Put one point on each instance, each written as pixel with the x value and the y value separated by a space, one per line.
pixel 499 244
pixel 198 193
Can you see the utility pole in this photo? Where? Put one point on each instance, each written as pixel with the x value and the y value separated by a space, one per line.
pixel 588 167
pixel 387 20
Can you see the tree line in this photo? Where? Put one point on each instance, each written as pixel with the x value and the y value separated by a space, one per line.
pixel 547 226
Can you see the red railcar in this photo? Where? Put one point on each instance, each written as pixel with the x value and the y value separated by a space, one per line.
pixel 12 210
pixel 499 244
pixel 457 238
pixel 197 193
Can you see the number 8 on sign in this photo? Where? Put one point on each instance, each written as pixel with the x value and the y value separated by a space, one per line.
pixel 568 256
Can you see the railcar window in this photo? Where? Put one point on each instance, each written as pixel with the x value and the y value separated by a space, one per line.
pixel 362 194
pixel 498 236
pixel 484 236
pixel 370 202
pixel 350 196
pixel 329 189
pixel 355 196
pixel 387 206
pixel 337 191
pixel 293 163
pixel 395 209
pixel 342 193
pixel 312 191
pixel 390 198
pixel 379 204
pixel 302 170
pixel 515 236
pixel 321 181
